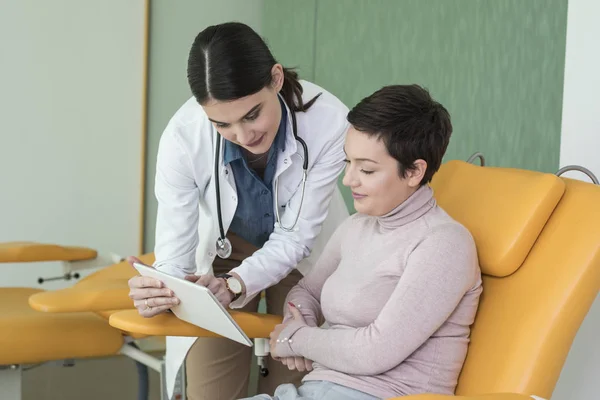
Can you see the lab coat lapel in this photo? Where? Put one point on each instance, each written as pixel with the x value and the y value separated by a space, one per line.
pixel 284 160
pixel 228 190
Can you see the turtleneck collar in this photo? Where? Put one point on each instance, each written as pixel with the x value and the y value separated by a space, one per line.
pixel 411 209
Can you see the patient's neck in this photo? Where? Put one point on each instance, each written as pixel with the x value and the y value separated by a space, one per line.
pixel 409 210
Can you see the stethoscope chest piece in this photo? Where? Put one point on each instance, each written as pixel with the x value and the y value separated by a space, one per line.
pixel 223 248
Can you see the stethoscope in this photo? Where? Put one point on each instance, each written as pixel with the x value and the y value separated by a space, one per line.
pixel 223 244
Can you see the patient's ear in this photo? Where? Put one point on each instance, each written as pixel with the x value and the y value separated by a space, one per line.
pixel 415 175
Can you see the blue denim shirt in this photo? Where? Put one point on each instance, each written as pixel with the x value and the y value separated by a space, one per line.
pixel 253 220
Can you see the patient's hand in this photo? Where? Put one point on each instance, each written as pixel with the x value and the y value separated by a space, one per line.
pixel 297 317
pixel 150 296
pixel 299 363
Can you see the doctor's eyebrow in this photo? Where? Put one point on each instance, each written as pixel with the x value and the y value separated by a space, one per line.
pixel 253 109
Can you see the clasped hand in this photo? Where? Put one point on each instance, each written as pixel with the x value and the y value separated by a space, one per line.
pixel 299 363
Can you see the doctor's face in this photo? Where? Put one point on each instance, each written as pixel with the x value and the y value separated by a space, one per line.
pixel 252 121
pixel 373 175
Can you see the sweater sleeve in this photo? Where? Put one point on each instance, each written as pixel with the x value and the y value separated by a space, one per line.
pixel 438 273
pixel 306 295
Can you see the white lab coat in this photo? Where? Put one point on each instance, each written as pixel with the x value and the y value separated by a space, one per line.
pixel 187 224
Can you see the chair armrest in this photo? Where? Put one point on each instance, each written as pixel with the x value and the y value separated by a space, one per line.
pixel 17 252
pixel 103 295
pixel 491 396
pixel 255 325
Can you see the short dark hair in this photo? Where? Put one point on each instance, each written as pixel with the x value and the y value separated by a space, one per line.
pixel 230 61
pixel 412 125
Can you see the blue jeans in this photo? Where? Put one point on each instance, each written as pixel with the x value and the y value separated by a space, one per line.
pixel 315 390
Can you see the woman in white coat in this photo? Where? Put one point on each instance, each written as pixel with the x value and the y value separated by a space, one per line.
pixel 246 173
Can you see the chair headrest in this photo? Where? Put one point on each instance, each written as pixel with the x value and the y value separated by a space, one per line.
pixel 504 209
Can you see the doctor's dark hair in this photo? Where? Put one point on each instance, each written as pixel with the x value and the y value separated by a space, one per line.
pixel 230 61
pixel 412 125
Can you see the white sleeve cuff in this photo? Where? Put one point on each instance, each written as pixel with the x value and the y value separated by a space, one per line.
pixel 171 270
pixel 253 286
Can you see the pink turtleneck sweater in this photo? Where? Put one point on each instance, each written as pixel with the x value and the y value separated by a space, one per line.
pixel 398 293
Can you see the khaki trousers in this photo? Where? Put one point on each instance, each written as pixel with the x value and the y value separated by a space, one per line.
pixel 219 369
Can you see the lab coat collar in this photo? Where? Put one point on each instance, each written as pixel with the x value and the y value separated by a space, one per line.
pixel 290 145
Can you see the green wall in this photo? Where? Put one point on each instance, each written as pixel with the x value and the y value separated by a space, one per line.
pixel 289 29
pixel 497 66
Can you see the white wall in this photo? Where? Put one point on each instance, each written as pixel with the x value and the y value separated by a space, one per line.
pixel 580 144
pixel 580 137
pixel 71 112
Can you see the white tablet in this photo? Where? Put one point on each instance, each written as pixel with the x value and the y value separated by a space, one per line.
pixel 198 306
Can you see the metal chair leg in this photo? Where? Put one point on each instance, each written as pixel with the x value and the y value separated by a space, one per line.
pixel 261 351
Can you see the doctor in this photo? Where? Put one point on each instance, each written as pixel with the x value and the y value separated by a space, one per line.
pixel 246 173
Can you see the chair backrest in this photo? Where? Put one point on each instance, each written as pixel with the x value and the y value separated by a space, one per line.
pixel 538 241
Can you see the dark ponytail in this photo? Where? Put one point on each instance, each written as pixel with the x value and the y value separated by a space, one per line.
pixel 230 61
pixel 292 91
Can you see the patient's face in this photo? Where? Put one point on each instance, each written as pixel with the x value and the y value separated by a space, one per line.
pixel 373 176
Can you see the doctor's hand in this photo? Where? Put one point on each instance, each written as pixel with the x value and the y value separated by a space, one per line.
pixel 149 295
pixel 217 286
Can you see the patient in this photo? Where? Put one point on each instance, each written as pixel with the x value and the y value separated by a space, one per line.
pixel 399 282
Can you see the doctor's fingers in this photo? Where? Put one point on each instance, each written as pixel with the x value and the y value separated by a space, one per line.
pixel 151 312
pixel 216 285
pixel 224 297
pixel 205 280
pixel 148 293
pixel 192 278
pixel 144 282
pixel 155 302
pixel 131 260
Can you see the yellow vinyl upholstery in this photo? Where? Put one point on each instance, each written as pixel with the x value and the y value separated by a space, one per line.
pixel 16 252
pixel 104 290
pixel 120 271
pixel 29 336
pixel 39 326
pixel 527 321
pixel 504 209
pixel 253 324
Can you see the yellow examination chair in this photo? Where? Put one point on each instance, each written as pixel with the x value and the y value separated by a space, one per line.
pixel 29 337
pixel 538 238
